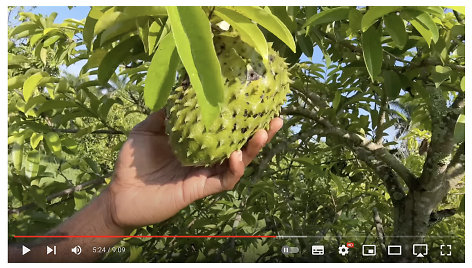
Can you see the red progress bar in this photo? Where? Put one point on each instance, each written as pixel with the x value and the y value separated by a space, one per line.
pixel 145 236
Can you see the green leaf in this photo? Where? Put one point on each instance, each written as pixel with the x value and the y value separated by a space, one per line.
pixel 89 26
pixel 305 44
pixel 423 23
pixel 396 29
pixel 69 145
pixel 108 19
pixel 392 84
pixel 440 74
pixel 24 27
pixel 17 151
pixel 80 199
pixel 372 50
pixel 337 100
pixel 94 60
pixel 34 39
pixel 120 53
pixel 43 55
pixel 426 21
pixel 374 13
pixel 30 85
pixel 35 139
pixel 355 18
pixel 154 31
pixel 161 74
pixel 143 30
pixel 16 81
pixel 32 164
pixel 281 13
pixel 117 15
pixel 461 208
pixel 459 130
pixel 328 15
pixel 51 40
pixel 54 143
pixel 105 107
pixel 193 39
pixel 16 60
pixel 249 31
pixel 463 83
pixel 55 104
pixel 140 11
pixel 270 22
pixel 249 218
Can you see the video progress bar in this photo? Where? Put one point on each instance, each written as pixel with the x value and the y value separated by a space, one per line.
pixel 205 236
pixel 145 236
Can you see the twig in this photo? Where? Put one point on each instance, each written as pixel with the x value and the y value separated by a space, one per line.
pixel 62 193
pixel 100 131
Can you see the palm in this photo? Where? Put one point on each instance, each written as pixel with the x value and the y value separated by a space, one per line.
pixel 150 185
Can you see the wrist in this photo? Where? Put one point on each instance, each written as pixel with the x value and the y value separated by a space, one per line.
pixel 109 213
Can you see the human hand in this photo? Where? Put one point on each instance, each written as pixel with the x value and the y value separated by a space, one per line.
pixel 150 185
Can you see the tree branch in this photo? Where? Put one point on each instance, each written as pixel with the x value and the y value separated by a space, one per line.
pixel 443 120
pixel 380 229
pixel 100 131
pixel 376 151
pixel 62 193
pixel 438 216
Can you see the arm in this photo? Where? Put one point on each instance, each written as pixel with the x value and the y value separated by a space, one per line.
pixel 94 219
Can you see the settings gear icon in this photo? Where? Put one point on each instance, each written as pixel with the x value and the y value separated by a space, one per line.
pixel 343 250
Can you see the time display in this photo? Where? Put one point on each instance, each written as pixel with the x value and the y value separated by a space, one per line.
pixel 108 249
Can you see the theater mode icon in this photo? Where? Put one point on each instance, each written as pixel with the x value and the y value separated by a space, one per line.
pixel 394 250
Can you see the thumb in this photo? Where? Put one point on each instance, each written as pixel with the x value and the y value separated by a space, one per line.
pixel 154 123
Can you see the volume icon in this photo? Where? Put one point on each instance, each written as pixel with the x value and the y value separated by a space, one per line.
pixel 77 250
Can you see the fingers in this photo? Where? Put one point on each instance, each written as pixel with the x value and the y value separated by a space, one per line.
pixel 236 170
pixel 260 139
pixel 154 123
pixel 274 126
pixel 255 144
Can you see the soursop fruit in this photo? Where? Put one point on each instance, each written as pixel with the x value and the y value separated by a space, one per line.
pixel 254 93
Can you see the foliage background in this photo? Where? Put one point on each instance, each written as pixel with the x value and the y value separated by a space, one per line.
pixel 65 132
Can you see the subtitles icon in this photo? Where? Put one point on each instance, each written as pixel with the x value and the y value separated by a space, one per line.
pixel 317 250
pixel 394 250
pixel 420 250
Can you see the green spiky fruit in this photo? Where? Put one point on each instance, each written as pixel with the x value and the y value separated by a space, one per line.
pixel 254 93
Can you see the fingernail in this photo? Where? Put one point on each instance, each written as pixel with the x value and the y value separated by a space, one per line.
pixel 240 155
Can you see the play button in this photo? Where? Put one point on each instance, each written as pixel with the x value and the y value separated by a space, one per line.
pixel 25 250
